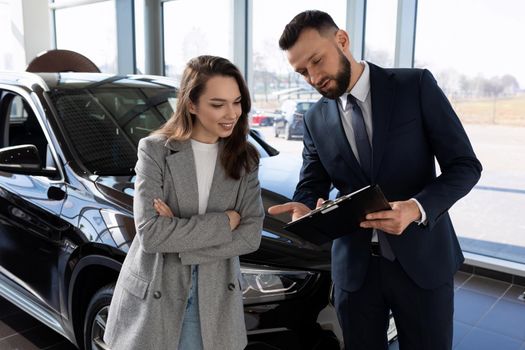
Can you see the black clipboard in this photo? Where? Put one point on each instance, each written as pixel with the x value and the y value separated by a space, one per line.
pixel 339 217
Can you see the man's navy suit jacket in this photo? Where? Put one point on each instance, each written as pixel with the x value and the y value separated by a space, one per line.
pixel 413 125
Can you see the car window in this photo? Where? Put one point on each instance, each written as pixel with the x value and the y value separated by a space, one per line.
pixel 23 128
pixel 16 111
pixel 104 125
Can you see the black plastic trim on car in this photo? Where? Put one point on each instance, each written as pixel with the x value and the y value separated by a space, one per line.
pixel 89 261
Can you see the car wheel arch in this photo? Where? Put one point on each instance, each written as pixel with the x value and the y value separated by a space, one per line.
pixel 90 274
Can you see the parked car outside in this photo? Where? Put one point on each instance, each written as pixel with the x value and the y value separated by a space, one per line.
pixel 67 154
pixel 261 118
pixel 290 121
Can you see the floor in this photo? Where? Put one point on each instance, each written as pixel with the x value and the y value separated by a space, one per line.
pixel 488 316
pixel 18 331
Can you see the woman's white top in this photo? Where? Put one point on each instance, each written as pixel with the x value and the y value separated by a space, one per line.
pixel 205 155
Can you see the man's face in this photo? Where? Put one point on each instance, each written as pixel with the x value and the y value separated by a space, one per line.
pixel 321 62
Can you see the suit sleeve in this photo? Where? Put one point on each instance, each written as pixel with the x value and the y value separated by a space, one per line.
pixel 314 181
pixel 246 237
pixel 460 169
pixel 160 234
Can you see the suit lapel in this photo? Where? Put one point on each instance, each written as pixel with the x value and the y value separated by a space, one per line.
pixel 382 90
pixel 334 127
pixel 181 163
pixel 182 168
pixel 223 187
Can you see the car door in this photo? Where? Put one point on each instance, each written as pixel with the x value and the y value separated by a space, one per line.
pixel 30 204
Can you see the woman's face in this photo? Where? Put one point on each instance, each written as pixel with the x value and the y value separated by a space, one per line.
pixel 217 110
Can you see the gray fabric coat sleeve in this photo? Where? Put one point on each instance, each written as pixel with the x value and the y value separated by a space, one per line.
pixel 246 237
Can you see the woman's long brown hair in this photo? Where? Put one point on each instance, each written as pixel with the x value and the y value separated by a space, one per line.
pixel 237 154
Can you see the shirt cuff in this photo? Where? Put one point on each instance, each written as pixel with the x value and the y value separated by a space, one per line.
pixel 423 220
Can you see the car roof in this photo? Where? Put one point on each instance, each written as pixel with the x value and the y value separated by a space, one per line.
pixel 49 81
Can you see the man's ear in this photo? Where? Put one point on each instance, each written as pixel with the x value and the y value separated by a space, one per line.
pixel 342 39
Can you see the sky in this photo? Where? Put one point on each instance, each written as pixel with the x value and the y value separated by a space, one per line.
pixel 482 37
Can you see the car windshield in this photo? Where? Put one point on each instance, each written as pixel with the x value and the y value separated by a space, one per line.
pixel 104 124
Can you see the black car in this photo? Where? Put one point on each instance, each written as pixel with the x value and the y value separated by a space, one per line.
pixel 67 153
pixel 290 121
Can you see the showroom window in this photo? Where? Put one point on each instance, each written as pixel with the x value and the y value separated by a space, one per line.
pixel 140 50
pixel 12 54
pixel 77 30
pixel 380 32
pixel 278 92
pixel 207 31
pixel 140 39
pixel 472 48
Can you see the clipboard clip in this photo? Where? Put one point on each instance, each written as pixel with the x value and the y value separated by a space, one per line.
pixel 326 203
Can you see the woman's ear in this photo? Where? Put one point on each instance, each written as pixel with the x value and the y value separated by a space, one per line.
pixel 192 108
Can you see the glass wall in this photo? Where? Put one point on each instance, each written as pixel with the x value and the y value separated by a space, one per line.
pixel 12 54
pixel 91 31
pixel 473 49
pixel 277 90
pixel 196 27
pixel 380 32
pixel 140 51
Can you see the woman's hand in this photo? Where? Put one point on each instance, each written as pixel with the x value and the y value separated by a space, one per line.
pixel 162 208
pixel 235 219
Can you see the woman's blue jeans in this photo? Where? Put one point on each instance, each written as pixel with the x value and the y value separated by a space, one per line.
pixel 191 338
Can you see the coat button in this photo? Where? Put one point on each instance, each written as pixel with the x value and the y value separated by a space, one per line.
pixel 157 294
pixel 231 286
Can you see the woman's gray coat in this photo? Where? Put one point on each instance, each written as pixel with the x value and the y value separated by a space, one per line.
pixel 150 296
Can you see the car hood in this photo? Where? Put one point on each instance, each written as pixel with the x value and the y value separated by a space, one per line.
pixel 280 173
pixel 118 189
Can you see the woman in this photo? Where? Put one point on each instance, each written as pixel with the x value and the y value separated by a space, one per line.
pixel 197 208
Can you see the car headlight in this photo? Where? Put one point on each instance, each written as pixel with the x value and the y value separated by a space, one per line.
pixel 266 284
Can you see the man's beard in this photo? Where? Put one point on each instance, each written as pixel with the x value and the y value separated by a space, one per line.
pixel 342 79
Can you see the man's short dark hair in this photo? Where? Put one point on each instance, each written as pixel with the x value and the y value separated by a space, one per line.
pixel 318 20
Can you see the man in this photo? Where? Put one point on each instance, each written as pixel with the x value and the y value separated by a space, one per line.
pixel 390 130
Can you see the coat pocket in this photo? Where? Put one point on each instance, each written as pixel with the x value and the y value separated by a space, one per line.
pixel 135 285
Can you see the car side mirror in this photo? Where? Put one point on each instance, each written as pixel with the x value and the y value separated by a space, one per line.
pixel 269 149
pixel 22 159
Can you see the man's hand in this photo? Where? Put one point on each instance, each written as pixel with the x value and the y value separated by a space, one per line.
pixel 235 219
pixel 393 221
pixel 162 208
pixel 296 209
